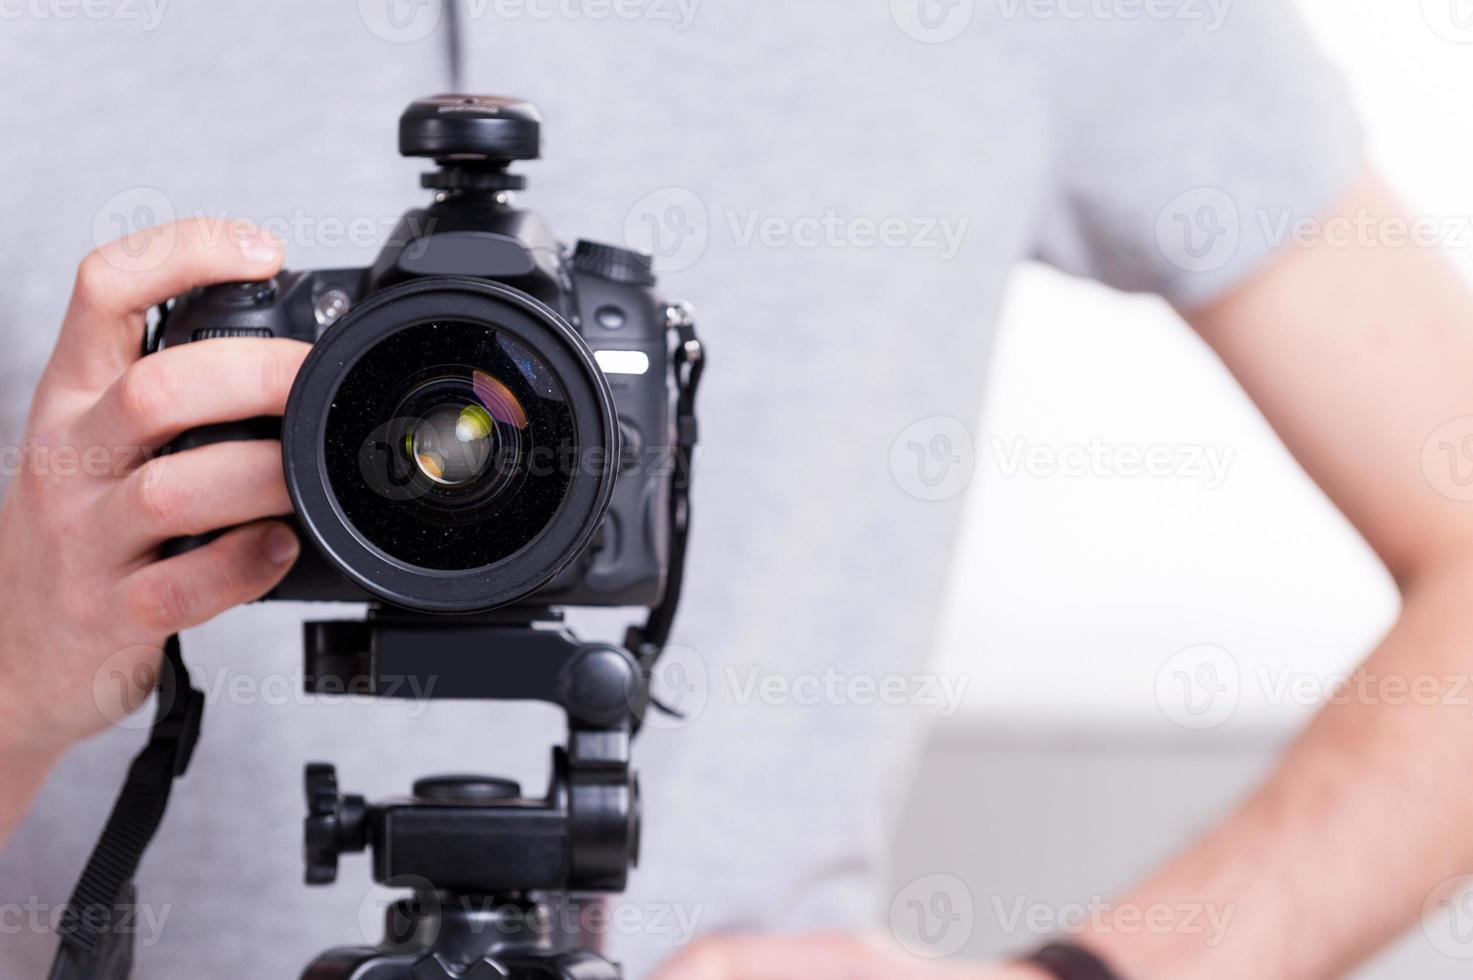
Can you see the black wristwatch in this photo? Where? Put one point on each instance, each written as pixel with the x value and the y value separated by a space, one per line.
pixel 1065 961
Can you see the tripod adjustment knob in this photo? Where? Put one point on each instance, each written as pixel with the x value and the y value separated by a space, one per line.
pixel 335 824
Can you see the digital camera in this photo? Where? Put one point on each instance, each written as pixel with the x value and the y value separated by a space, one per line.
pixel 486 417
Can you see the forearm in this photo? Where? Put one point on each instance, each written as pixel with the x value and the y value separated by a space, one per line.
pixel 1369 812
pixel 1359 355
pixel 26 757
pixel 23 770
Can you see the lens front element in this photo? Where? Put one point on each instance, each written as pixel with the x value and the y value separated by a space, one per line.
pixel 463 429
pixel 452 445
pixel 459 463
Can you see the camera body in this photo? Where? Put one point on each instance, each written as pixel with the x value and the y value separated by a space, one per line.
pixel 536 387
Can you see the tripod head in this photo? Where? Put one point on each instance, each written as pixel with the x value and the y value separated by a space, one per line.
pixel 474 848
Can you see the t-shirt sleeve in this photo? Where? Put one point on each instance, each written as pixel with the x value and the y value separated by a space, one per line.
pixel 1186 147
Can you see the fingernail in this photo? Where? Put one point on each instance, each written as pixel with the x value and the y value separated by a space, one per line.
pixel 258 244
pixel 280 545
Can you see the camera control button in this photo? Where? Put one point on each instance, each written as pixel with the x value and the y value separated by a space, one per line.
pixel 330 306
pixel 610 317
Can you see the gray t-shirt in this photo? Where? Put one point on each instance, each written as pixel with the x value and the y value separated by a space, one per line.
pixel 841 188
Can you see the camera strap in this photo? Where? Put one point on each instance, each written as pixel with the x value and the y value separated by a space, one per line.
pixel 95 926
pixel 647 642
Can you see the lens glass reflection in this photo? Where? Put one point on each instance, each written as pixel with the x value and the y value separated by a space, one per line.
pixel 449 445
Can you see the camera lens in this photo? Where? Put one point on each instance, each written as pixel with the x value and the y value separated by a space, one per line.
pixel 485 445
pixel 462 429
pixel 452 444
pixel 448 445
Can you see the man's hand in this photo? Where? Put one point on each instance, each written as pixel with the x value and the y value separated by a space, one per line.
pixel 87 602
pixel 820 957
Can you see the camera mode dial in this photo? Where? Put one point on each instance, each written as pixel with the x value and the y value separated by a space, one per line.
pixel 614 263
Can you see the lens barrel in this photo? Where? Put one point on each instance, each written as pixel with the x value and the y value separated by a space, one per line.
pixel 450 445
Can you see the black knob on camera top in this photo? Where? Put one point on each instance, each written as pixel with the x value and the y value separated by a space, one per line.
pixel 614 263
pixel 491 128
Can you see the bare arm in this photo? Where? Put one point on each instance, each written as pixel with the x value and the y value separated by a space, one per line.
pixel 1359 356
